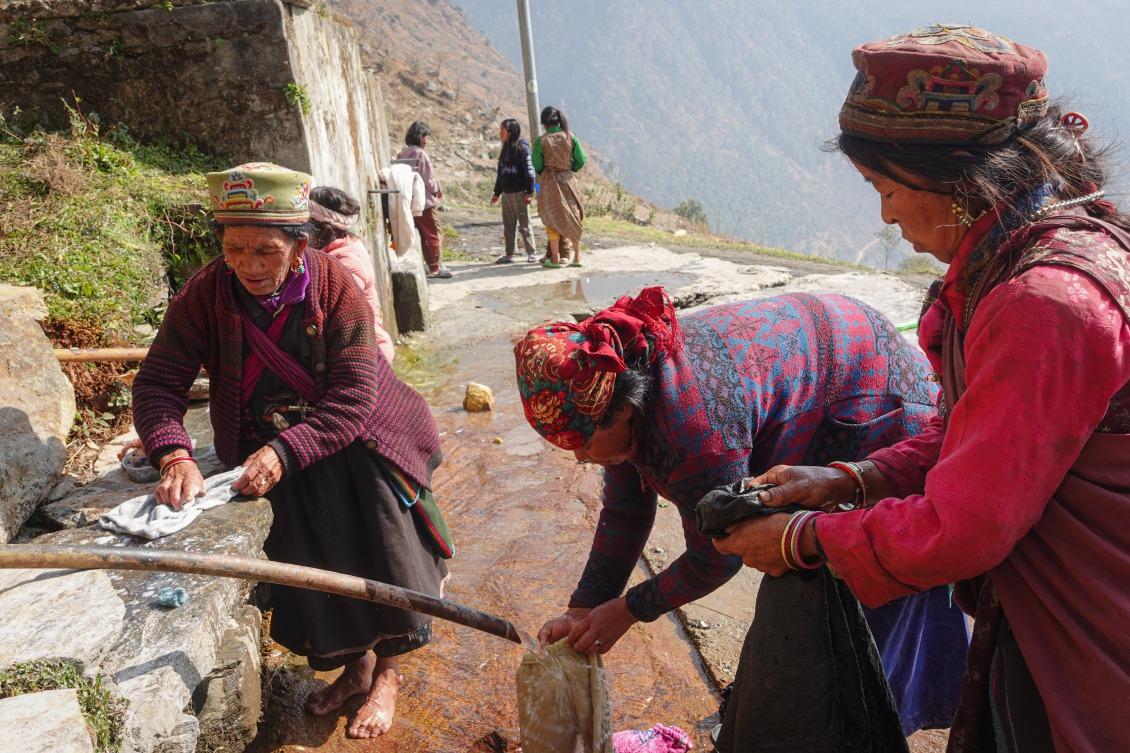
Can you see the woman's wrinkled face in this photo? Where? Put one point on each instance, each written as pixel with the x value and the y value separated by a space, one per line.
pixel 611 444
pixel 926 219
pixel 261 257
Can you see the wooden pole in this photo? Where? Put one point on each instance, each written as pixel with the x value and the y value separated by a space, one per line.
pixel 35 556
pixel 100 355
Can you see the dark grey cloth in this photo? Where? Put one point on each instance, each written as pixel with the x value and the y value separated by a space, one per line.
pixel 809 679
pixel 723 507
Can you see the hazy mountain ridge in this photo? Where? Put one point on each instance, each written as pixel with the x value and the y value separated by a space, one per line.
pixel 729 101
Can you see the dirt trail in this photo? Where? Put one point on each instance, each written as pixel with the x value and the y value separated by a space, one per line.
pixel 523 513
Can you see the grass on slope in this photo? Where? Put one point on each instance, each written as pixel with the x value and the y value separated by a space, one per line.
pixel 94 221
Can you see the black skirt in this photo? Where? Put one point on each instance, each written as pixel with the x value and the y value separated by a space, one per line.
pixel 340 514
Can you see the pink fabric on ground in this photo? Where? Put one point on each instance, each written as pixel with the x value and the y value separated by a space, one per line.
pixel 353 255
pixel 658 739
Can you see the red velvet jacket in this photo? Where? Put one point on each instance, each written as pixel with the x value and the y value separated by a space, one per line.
pixel 361 397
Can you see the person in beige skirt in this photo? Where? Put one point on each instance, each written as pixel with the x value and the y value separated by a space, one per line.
pixel 558 156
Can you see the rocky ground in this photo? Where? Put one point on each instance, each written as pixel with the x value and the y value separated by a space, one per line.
pixel 523 513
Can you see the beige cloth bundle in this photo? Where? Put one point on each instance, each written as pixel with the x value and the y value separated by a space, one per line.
pixel 563 704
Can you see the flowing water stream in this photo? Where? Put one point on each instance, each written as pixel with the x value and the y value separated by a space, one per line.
pixel 523 515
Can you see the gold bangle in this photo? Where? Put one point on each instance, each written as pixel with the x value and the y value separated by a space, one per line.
pixel 861 481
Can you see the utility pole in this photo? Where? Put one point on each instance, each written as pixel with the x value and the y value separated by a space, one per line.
pixel 532 109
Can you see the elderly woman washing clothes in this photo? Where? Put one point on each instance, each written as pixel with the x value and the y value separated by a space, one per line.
pixel 301 397
pixel 1020 490
pixel 676 407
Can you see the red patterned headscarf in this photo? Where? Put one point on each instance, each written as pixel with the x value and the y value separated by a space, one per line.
pixel 567 371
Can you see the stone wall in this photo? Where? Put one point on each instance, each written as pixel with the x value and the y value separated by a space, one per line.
pixel 244 79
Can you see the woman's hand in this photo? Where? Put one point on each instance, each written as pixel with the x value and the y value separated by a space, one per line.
pixel 182 482
pixel 598 631
pixel 811 486
pixel 494 199
pixel 757 541
pixel 559 627
pixel 261 471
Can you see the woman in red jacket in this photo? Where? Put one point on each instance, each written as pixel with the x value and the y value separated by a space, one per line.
pixel 1019 491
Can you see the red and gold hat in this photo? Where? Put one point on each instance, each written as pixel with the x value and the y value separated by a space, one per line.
pixel 944 85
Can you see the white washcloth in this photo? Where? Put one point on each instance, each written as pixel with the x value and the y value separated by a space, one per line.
pixel 145 517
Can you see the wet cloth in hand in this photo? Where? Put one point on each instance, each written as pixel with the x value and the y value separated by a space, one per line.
pixel 563 704
pixel 809 679
pixel 144 516
pixel 727 505
pixel 921 638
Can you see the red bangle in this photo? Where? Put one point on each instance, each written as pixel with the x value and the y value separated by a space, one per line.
pixel 182 459
pixel 856 475
pixel 790 541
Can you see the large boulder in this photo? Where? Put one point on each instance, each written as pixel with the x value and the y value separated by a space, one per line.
pixel 161 661
pixel 37 408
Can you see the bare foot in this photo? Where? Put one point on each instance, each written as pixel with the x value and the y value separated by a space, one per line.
pixel 356 679
pixel 374 718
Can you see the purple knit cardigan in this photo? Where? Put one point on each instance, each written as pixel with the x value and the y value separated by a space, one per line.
pixel 361 397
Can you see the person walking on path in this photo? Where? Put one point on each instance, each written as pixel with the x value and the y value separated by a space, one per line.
pixel 1019 491
pixel 514 185
pixel 431 234
pixel 333 213
pixel 558 156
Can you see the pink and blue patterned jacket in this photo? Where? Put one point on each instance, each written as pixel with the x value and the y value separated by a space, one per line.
pixel 793 379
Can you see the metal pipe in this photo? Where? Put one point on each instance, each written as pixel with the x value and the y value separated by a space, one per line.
pixel 524 27
pixel 100 355
pixel 246 568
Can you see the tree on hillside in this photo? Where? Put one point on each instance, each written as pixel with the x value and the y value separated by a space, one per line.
pixel 691 210
pixel 889 238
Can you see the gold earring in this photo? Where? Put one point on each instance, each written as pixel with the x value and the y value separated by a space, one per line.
pixel 961 214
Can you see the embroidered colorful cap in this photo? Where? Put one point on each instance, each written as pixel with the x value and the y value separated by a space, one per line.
pixel 260 193
pixel 944 85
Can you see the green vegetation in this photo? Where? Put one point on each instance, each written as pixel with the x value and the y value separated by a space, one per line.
pixel 30 32
pixel 608 200
pixel 92 220
pixel 297 95
pixel 691 210
pixel 104 714
pixel 921 264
